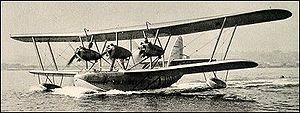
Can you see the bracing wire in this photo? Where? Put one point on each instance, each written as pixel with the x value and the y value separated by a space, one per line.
pixel 202 46
pixel 194 39
pixel 219 48
pixel 46 59
pixel 188 43
pixel 206 44
pixel 60 56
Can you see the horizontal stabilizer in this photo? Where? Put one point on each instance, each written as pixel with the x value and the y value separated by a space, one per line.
pixel 189 61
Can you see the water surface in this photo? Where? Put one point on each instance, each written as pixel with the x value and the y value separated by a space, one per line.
pixel 257 89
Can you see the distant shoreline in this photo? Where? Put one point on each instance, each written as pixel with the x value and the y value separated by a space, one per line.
pixel 28 69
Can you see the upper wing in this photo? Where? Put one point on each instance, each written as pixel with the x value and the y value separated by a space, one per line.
pixel 174 27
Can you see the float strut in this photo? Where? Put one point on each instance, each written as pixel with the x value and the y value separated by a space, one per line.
pixel 228 48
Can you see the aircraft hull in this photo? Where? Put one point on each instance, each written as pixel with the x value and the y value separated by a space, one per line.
pixel 126 81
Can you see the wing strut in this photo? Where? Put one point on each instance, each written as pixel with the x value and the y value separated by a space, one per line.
pixel 99 52
pixel 38 53
pixel 138 63
pixel 50 49
pixel 56 68
pixel 228 48
pixel 163 56
pixel 117 41
pixel 40 60
pixel 217 45
pixel 151 62
pixel 230 42
pixel 217 40
pixel 154 61
pixel 145 36
pixel 100 63
pixel 156 36
pixel 130 46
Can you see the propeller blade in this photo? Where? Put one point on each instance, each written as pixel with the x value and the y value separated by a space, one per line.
pixel 104 46
pixel 71 60
pixel 103 52
pixel 97 46
pixel 91 42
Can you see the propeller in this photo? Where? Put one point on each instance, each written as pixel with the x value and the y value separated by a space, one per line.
pixel 86 54
pixel 83 53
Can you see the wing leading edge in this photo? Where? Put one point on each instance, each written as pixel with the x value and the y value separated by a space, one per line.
pixel 174 28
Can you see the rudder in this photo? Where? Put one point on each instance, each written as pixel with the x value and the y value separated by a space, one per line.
pixel 177 50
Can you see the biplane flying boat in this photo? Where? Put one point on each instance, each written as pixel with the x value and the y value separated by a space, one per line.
pixel 149 76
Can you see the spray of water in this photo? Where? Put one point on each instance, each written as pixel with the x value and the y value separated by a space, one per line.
pixel 183 89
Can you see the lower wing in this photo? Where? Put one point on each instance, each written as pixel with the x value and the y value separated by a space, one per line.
pixel 185 69
pixel 55 73
pixel 200 67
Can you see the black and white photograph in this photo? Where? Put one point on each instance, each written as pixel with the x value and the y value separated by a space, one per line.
pixel 150 56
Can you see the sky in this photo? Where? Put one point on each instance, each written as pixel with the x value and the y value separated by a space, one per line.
pixel 66 17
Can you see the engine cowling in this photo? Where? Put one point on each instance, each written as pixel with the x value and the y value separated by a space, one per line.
pixel 148 49
pixel 118 52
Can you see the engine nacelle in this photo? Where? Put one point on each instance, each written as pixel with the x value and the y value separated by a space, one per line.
pixel 148 49
pixel 118 52
pixel 87 54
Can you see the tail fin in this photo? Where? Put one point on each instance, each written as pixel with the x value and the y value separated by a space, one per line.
pixel 177 50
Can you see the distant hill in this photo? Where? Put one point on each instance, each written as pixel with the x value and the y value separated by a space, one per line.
pixel 270 59
pixel 17 66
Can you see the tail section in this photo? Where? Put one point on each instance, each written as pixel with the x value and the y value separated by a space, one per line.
pixel 177 50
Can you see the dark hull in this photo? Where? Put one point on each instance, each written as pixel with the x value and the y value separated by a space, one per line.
pixel 154 78
pixel 130 82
